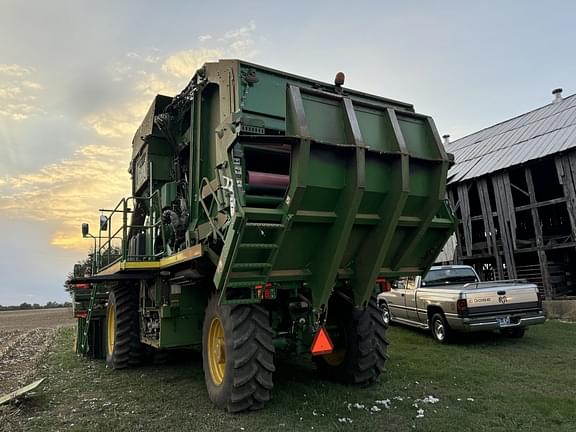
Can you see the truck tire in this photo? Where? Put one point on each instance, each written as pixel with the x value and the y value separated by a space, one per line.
pixel 360 344
pixel 123 346
pixel 237 356
pixel 385 313
pixel 441 331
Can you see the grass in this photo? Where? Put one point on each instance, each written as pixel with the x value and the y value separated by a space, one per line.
pixel 526 384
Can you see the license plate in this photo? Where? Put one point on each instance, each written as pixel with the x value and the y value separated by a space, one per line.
pixel 503 321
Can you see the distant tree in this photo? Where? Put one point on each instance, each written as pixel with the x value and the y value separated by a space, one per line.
pixel 25 306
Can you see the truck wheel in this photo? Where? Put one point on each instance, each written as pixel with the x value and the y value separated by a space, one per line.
pixel 516 333
pixel 385 313
pixel 360 344
pixel 123 347
pixel 440 330
pixel 238 355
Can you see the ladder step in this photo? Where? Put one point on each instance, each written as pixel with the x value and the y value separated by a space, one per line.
pixel 258 246
pixel 265 225
pixel 247 266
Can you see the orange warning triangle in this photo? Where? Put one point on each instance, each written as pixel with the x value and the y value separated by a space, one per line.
pixel 322 343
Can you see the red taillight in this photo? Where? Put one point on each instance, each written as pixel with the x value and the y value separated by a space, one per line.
pixel 462 307
pixel 265 292
pixel 81 314
pixel 82 285
pixel 385 286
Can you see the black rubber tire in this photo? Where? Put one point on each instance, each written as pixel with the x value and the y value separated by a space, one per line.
pixel 386 317
pixel 249 351
pixel 364 341
pixel 516 333
pixel 441 331
pixel 127 349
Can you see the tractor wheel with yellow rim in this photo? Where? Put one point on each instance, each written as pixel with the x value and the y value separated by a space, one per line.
pixel 360 344
pixel 238 355
pixel 123 347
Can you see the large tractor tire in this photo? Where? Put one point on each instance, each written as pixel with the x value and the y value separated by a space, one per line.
pixel 360 344
pixel 238 356
pixel 123 346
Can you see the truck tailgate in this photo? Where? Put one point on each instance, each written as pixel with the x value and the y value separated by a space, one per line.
pixel 499 298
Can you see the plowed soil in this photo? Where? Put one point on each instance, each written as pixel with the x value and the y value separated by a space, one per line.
pixel 25 339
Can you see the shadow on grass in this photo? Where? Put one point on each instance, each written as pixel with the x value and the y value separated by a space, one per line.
pixel 491 338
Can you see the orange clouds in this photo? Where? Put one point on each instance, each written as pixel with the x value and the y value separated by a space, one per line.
pixel 67 193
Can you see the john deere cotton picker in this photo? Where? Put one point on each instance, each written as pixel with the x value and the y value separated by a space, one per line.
pixel 267 211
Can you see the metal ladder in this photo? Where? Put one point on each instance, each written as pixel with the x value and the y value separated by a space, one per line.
pixel 84 346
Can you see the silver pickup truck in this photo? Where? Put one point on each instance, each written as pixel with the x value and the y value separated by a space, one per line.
pixel 452 299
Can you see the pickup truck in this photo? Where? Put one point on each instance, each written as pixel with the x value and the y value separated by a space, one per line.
pixel 452 299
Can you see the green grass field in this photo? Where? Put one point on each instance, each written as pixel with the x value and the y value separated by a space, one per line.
pixel 484 383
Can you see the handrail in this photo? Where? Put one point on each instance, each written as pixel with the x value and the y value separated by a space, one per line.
pixel 107 249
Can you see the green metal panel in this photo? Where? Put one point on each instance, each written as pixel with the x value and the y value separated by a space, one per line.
pixel 365 199
pixel 181 321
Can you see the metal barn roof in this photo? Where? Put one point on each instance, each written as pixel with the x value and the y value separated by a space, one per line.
pixel 544 131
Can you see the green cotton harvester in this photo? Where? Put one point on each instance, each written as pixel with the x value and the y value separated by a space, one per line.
pixel 267 211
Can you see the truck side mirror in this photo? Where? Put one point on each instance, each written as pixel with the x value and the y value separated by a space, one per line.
pixel 85 230
pixel 103 223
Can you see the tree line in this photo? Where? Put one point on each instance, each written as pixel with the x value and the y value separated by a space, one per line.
pixel 26 306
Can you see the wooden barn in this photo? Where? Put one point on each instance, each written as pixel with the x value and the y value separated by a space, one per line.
pixel 514 189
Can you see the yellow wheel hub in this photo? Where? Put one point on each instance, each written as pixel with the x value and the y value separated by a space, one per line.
pixel 111 327
pixel 216 351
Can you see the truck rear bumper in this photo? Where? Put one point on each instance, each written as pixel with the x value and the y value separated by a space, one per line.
pixel 469 324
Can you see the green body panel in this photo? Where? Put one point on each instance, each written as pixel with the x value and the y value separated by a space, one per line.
pixel 287 183
pixel 181 322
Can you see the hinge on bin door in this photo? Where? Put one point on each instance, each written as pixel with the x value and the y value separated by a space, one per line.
pixel 319 317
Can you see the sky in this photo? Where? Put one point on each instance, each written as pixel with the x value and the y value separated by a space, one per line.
pixel 76 78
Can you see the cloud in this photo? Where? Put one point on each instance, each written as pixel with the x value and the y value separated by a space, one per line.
pixel 18 92
pixel 241 42
pixel 151 74
pixel 185 63
pixel 69 192
pixel 151 58
pixel 119 122
pixel 15 70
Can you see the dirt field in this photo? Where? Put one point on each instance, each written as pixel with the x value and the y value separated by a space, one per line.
pixel 38 318
pixel 24 339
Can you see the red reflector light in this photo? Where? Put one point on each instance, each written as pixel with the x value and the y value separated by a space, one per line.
pixel 461 306
pixel 81 314
pixel 265 292
pixel 82 286
pixel 322 343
